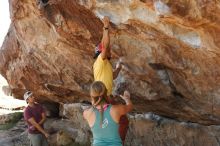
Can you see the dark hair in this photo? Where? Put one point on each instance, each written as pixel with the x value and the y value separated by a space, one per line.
pixel 44 1
pixel 96 54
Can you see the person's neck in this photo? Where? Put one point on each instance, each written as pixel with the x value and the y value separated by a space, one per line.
pixel 99 106
pixel 31 104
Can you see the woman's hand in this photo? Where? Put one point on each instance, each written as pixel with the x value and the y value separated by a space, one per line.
pixel 126 96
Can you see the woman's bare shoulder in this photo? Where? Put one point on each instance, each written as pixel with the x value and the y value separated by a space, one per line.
pixel 117 107
pixel 87 112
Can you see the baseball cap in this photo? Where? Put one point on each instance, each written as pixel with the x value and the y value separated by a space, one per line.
pixel 27 95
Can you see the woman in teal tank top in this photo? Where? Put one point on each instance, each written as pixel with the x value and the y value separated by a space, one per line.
pixel 103 118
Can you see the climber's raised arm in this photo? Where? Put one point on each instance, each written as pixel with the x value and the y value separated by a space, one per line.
pixel 105 39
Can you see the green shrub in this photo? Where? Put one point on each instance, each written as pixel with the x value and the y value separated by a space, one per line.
pixel 15 117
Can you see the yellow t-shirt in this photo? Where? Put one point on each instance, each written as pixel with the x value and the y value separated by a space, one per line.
pixel 102 70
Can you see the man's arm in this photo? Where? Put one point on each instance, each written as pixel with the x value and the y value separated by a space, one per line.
pixel 43 118
pixel 105 38
pixel 39 128
pixel 117 70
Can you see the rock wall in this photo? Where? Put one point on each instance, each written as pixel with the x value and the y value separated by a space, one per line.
pixel 148 129
pixel 169 50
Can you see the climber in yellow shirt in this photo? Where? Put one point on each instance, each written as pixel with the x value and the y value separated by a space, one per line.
pixel 102 67
pixel 103 71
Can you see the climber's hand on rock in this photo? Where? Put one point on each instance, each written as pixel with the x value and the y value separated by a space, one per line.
pixel 106 21
pixel 126 96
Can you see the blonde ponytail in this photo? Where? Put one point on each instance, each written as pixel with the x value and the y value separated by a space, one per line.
pixel 98 88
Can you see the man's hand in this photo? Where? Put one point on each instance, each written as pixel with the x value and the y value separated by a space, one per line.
pixel 105 21
pixel 46 135
pixel 119 65
pixel 38 127
pixel 117 69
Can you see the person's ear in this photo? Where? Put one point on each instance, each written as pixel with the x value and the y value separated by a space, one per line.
pixel 27 100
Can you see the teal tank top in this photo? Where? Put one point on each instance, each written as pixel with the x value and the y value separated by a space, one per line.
pixel 107 134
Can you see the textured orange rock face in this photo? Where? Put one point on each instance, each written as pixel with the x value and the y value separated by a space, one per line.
pixel 170 51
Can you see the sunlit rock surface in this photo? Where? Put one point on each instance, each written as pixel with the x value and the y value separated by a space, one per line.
pixel 149 130
pixel 170 52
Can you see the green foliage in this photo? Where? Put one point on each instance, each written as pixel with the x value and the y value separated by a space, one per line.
pixel 6 126
pixel 15 117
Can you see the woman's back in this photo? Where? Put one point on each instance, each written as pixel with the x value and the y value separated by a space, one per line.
pixel 104 123
pixel 107 134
